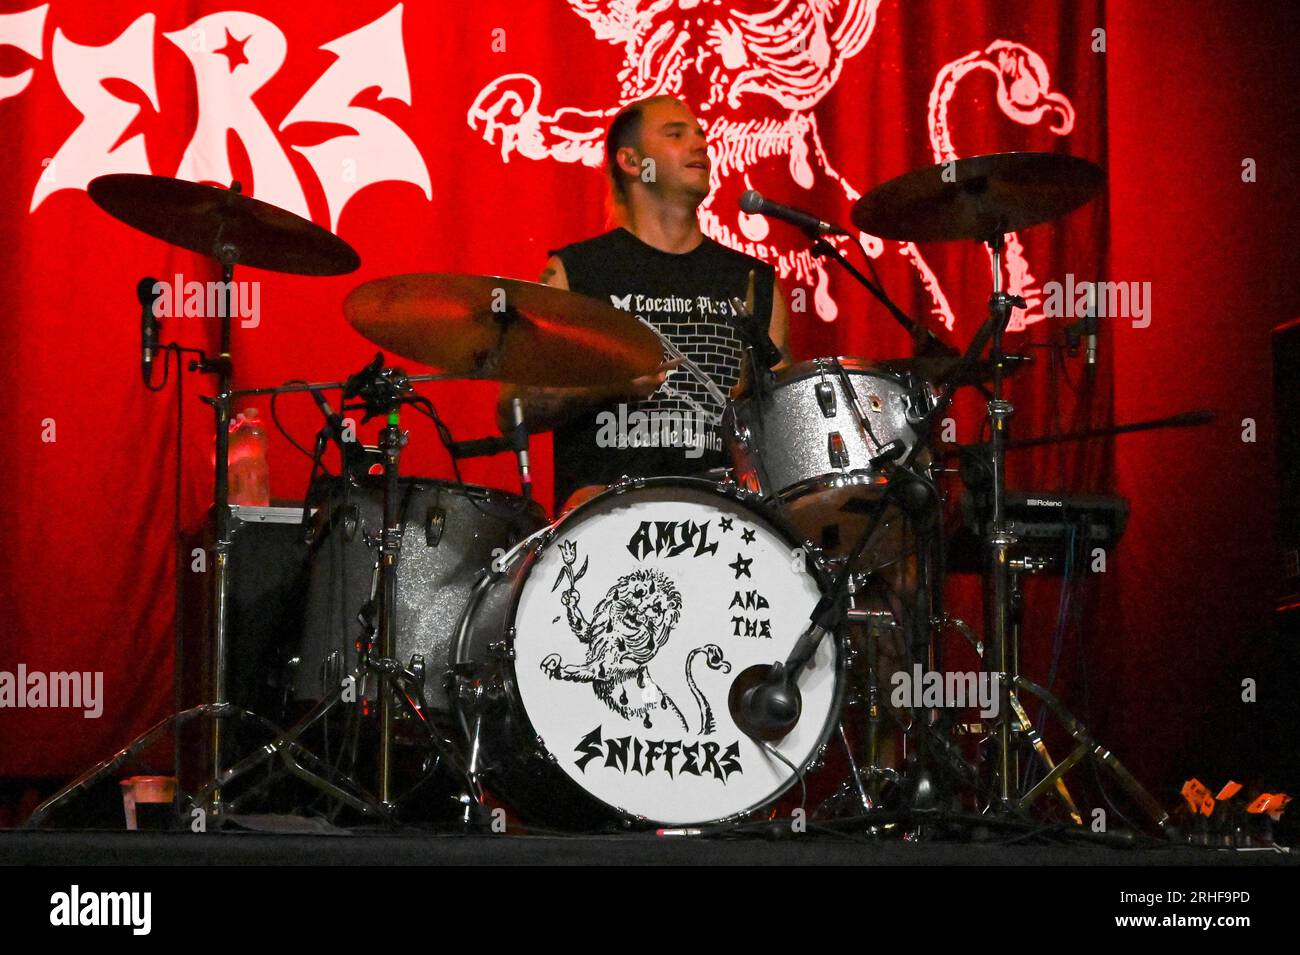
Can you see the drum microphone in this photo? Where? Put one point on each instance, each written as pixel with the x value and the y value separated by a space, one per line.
pixel 146 293
pixel 752 201
pixel 764 700
pixel 348 449
pixel 519 436
pixel 765 703
pixel 1090 328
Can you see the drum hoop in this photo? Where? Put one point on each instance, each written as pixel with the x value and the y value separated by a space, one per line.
pixel 851 364
pixel 481 492
pixel 818 566
pixel 829 481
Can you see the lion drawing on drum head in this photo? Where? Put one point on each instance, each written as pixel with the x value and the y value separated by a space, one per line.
pixel 630 624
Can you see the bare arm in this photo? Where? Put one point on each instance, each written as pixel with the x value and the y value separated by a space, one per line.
pixel 545 409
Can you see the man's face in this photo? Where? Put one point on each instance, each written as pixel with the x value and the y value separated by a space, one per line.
pixel 674 139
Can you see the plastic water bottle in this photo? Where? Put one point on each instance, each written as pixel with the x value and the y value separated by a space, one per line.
pixel 250 475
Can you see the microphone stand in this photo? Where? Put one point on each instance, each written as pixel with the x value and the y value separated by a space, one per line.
pixel 924 341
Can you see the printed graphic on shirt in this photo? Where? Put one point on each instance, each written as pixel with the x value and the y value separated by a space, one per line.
pixel 701 328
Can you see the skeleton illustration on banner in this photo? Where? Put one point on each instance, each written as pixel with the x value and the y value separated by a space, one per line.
pixel 755 71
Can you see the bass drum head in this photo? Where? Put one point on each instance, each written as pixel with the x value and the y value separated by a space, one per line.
pixel 631 625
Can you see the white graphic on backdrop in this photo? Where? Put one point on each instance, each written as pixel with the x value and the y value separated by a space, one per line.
pixel 774 58
pixel 233 55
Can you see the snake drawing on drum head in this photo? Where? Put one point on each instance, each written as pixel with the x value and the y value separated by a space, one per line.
pixel 609 646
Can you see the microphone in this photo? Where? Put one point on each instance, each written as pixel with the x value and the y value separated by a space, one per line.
pixel 519 440
pixel 753 202
pixel 348 449
pixel 146 294
pixel 1090 329
pixel 764 701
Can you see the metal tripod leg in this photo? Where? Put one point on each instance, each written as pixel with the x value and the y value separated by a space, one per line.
pixel 1090 748
pixel 1040 747
pixel 318 776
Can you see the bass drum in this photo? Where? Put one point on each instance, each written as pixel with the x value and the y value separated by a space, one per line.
pixel 596 668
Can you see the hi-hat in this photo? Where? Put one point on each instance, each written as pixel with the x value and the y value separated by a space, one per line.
pixel 508 330
pixel 222 223
pixel 980 198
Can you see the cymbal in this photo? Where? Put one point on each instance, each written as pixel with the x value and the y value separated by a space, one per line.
pixel 979 198
pixel 503 329
pixel 198 217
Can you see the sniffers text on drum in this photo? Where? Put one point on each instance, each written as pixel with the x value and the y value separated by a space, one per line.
pixel 704 758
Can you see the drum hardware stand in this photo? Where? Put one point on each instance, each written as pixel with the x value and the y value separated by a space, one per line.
pixel 873 622
pixel 1001 658
pixel 391 674
pixel 766 699
pixel 382 391
pixel 768 703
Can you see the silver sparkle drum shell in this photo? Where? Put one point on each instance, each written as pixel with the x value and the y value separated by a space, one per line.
pixel 451 534
pixel 781 444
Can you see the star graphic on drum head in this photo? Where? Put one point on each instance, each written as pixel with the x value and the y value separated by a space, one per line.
pixel 747 535
pixel 741 567
pixel 725 524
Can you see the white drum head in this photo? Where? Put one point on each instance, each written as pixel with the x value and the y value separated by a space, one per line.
pixel 675 590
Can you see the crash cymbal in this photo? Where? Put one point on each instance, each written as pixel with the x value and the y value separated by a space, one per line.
pixel 197 217
pixel 503 329
pixel 978 198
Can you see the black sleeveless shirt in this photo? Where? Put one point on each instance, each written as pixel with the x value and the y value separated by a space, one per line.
pixel 687 298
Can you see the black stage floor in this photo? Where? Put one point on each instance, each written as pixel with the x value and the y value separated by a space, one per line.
pixel 82 848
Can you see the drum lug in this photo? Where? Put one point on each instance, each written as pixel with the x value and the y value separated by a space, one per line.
pixel 435 523
pixel 836 450
pixel 627 483
pixel 502 649
pixel 825 398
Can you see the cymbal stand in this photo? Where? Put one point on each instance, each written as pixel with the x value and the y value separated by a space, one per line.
pixel 997 600
pixel 1001 658
pixel 227 253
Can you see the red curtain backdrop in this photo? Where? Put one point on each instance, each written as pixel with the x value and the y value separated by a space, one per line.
pixel 466 138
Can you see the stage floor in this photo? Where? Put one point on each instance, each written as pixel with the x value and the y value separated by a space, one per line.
pixel 81 848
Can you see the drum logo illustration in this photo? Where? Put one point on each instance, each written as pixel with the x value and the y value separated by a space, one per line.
pixel 628 627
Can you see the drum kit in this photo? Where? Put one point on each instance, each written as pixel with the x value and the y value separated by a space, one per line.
pixel 675 651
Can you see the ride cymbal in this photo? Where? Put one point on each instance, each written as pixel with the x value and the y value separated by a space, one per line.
pixel 980 198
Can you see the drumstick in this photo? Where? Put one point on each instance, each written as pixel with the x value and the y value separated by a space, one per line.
pixel 682 359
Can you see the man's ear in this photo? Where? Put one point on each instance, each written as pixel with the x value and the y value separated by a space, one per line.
pixel 628 160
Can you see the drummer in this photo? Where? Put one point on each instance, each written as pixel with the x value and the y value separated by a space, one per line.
pixel 656 264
